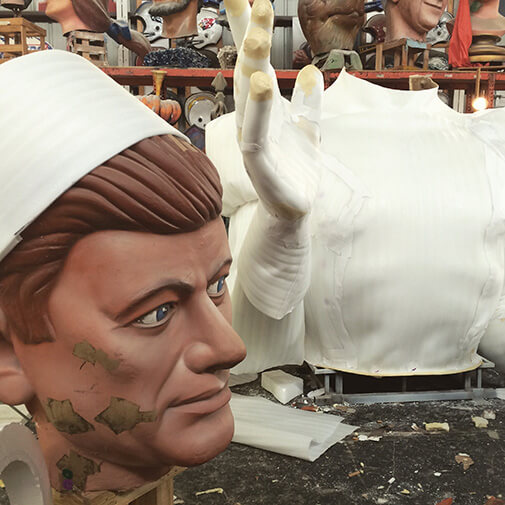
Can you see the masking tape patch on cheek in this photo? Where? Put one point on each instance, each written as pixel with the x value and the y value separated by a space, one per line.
pixel 123 415
pixel 63 417
pixel 86 352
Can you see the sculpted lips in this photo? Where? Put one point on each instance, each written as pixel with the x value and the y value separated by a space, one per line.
pixel 204 403
pixel 434 5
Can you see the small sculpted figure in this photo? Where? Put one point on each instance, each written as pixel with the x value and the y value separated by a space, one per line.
pixel 331 24
pixel 93 16
pixel 412 19
pixel 477 30
pixel 366 250
pixel 115 316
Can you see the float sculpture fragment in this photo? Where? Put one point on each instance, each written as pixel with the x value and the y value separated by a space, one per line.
pixel 373 248
pixel 115 317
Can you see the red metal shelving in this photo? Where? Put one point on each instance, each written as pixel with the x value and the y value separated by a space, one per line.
pixel 399 79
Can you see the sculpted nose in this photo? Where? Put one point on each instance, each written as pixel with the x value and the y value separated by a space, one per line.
pixel 217 346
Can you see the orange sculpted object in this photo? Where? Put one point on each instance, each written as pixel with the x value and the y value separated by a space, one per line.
pixel 115 317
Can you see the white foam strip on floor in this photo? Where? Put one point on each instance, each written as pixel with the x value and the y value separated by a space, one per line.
pixel 306 435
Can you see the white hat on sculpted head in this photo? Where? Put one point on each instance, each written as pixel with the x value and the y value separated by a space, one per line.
pixel 60 117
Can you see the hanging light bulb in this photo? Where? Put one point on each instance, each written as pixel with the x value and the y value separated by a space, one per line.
pixel 479 103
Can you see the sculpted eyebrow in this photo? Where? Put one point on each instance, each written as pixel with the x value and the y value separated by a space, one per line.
pixel 223 264
pixel 181 288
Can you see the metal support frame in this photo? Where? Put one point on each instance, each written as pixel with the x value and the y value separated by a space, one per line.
pixel 334 386
pixel 490 92
pixel 123 55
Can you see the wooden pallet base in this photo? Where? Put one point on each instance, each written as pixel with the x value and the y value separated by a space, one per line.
pixel 89 45
pixel 160 492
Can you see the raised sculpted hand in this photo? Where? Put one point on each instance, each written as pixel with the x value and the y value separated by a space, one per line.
pixel 279 140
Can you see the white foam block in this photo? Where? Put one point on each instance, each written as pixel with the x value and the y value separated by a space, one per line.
pixel 282 385
pixel 277 428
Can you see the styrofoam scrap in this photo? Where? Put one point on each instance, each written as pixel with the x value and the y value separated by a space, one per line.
pixel 500 393
pixel 277 428
pixel 480 422
pixel 363 438
pixel 437 426
pixel 437 474
pixel 218 490
pixel 282 385
pixel 244 378
pixel 489 414
pixel 391 480
pixel 19 447
pixel 9 415
pixel 316 393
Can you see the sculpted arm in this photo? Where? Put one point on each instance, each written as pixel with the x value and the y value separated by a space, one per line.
pixel 279 144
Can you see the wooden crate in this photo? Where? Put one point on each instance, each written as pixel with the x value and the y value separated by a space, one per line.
pixel 15 33
pixel 160 492
pixel 89 45
pixel 404 51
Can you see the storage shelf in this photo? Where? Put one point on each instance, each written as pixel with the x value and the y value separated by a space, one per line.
pixel 398 79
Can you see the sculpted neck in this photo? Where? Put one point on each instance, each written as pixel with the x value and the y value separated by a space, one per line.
pixel 488 10
pixel 88 471
pixel 398 28
pixel 68 19
pixel 487 20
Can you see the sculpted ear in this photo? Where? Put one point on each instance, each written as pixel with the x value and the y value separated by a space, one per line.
pixel 15 388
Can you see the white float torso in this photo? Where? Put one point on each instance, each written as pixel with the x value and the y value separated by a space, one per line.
pixel 407 234
pixel 426 267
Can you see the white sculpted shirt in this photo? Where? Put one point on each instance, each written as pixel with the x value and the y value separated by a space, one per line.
pixel 405 239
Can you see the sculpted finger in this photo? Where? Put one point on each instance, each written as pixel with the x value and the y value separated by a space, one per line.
pixel 255 53
pixel 238 13
pixel 306 101
pixel 276 194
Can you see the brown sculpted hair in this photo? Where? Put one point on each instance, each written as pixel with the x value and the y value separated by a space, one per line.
pixel 160 185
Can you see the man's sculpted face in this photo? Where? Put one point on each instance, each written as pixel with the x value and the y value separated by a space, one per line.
pixel 137 374
pixel 422 15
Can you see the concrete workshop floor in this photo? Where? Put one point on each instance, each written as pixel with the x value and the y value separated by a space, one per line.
pixel 404 467
pixel 422 464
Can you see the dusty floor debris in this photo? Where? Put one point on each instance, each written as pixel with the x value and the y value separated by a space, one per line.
pixel 421 462
pixel 437 427
pixel 480 422
pixel 465 460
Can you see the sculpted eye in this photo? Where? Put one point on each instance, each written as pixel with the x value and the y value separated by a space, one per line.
pixel 156 317
pixel 217 288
